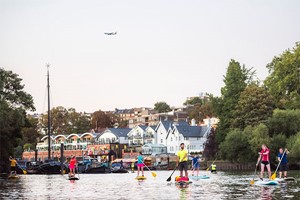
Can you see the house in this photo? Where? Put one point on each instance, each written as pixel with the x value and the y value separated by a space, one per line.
pixel 113 135
pixel 194 137
pixel 140 135
pixel 162 131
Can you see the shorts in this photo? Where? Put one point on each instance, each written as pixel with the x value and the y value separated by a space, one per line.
pixel 183 166
pixel 265 163
pixel 197 166
pixel 140 165
pixel 12 168
pixel 283 167
pixel 72 166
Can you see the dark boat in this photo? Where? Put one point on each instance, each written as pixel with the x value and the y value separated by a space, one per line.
pixel 32 167
pixel 120 170
pixel 97 168
pixel 51 167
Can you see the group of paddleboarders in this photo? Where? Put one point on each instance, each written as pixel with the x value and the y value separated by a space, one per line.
pixel 264 160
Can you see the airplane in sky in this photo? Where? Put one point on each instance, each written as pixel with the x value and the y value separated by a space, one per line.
pixel 112 33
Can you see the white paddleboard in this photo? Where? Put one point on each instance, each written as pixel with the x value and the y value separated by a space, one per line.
pixel 267 182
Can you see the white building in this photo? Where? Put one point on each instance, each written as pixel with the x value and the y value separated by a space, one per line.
pixel 194 138
pixel 112 135
pixel 162 131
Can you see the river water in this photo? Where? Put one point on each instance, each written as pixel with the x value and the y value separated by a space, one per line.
pixel 224 185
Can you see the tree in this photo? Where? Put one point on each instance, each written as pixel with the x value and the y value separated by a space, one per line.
pixel 235 147
pixel 284 121
pixel 277 141
pixel 210 148
pixel 66 121
pixel 14 101
pixel 194 101
pixel 59 121
pixel 293 144
pixel 259 136
pixel 162 107
pixel 78 122
pixel 255 106
pixel 11 91
pixel 100 120
pixel 236 80
pixel 30 133
pixel 284 78
pixel 199 111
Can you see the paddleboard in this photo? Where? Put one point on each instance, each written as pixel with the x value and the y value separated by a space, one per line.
pixel 199 177
pixel 140 178
pixel 13 177
pixel 267 182
pixel 289 179
pixel 73 178
pixel 183 183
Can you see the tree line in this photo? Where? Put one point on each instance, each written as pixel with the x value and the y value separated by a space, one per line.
pixel 253 112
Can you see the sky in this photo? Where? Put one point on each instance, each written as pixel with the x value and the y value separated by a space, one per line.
pixel 163 50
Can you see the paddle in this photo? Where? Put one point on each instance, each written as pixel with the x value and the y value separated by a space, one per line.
pixel 78 172
pixel 211 164
pixel 153 173
pixel 252 181
pixel 169 179
pixel 24 171
pixel 274 174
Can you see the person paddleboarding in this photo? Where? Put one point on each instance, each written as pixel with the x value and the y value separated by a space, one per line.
pixel 72 165
pixel 264 156
pixel 182 160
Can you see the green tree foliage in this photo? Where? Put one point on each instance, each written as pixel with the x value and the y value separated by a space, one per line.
pixel 78 122
pixel 259 136
pixel 255 106
pixel 66 121
pixel 11 91
pixel 235 147
pixel 194 101
pixel 13 103
pixel 236 80
pixel 30 133
pixel 284 79
pixel 293 144
pixel 284 121
pixel 162 107
pixel 277 141
pixel 201 108
pixel 101 120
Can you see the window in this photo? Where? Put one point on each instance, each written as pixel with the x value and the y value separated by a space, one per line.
pixel 161 140
pixel 171 139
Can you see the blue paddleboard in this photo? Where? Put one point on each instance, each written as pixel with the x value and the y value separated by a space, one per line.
pixel 199 177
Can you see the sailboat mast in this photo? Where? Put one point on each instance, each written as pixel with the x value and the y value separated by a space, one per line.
pixel 49 117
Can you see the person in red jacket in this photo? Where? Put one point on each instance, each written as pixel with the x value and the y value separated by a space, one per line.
pixel 264 155
pixel 72 166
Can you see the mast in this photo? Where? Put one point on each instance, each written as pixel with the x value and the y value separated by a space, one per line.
pixel 49 117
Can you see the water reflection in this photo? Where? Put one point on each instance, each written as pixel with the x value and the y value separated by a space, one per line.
pixel 266 193
pixel 124 186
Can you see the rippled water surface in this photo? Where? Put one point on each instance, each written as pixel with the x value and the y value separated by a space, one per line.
pixel 223 185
